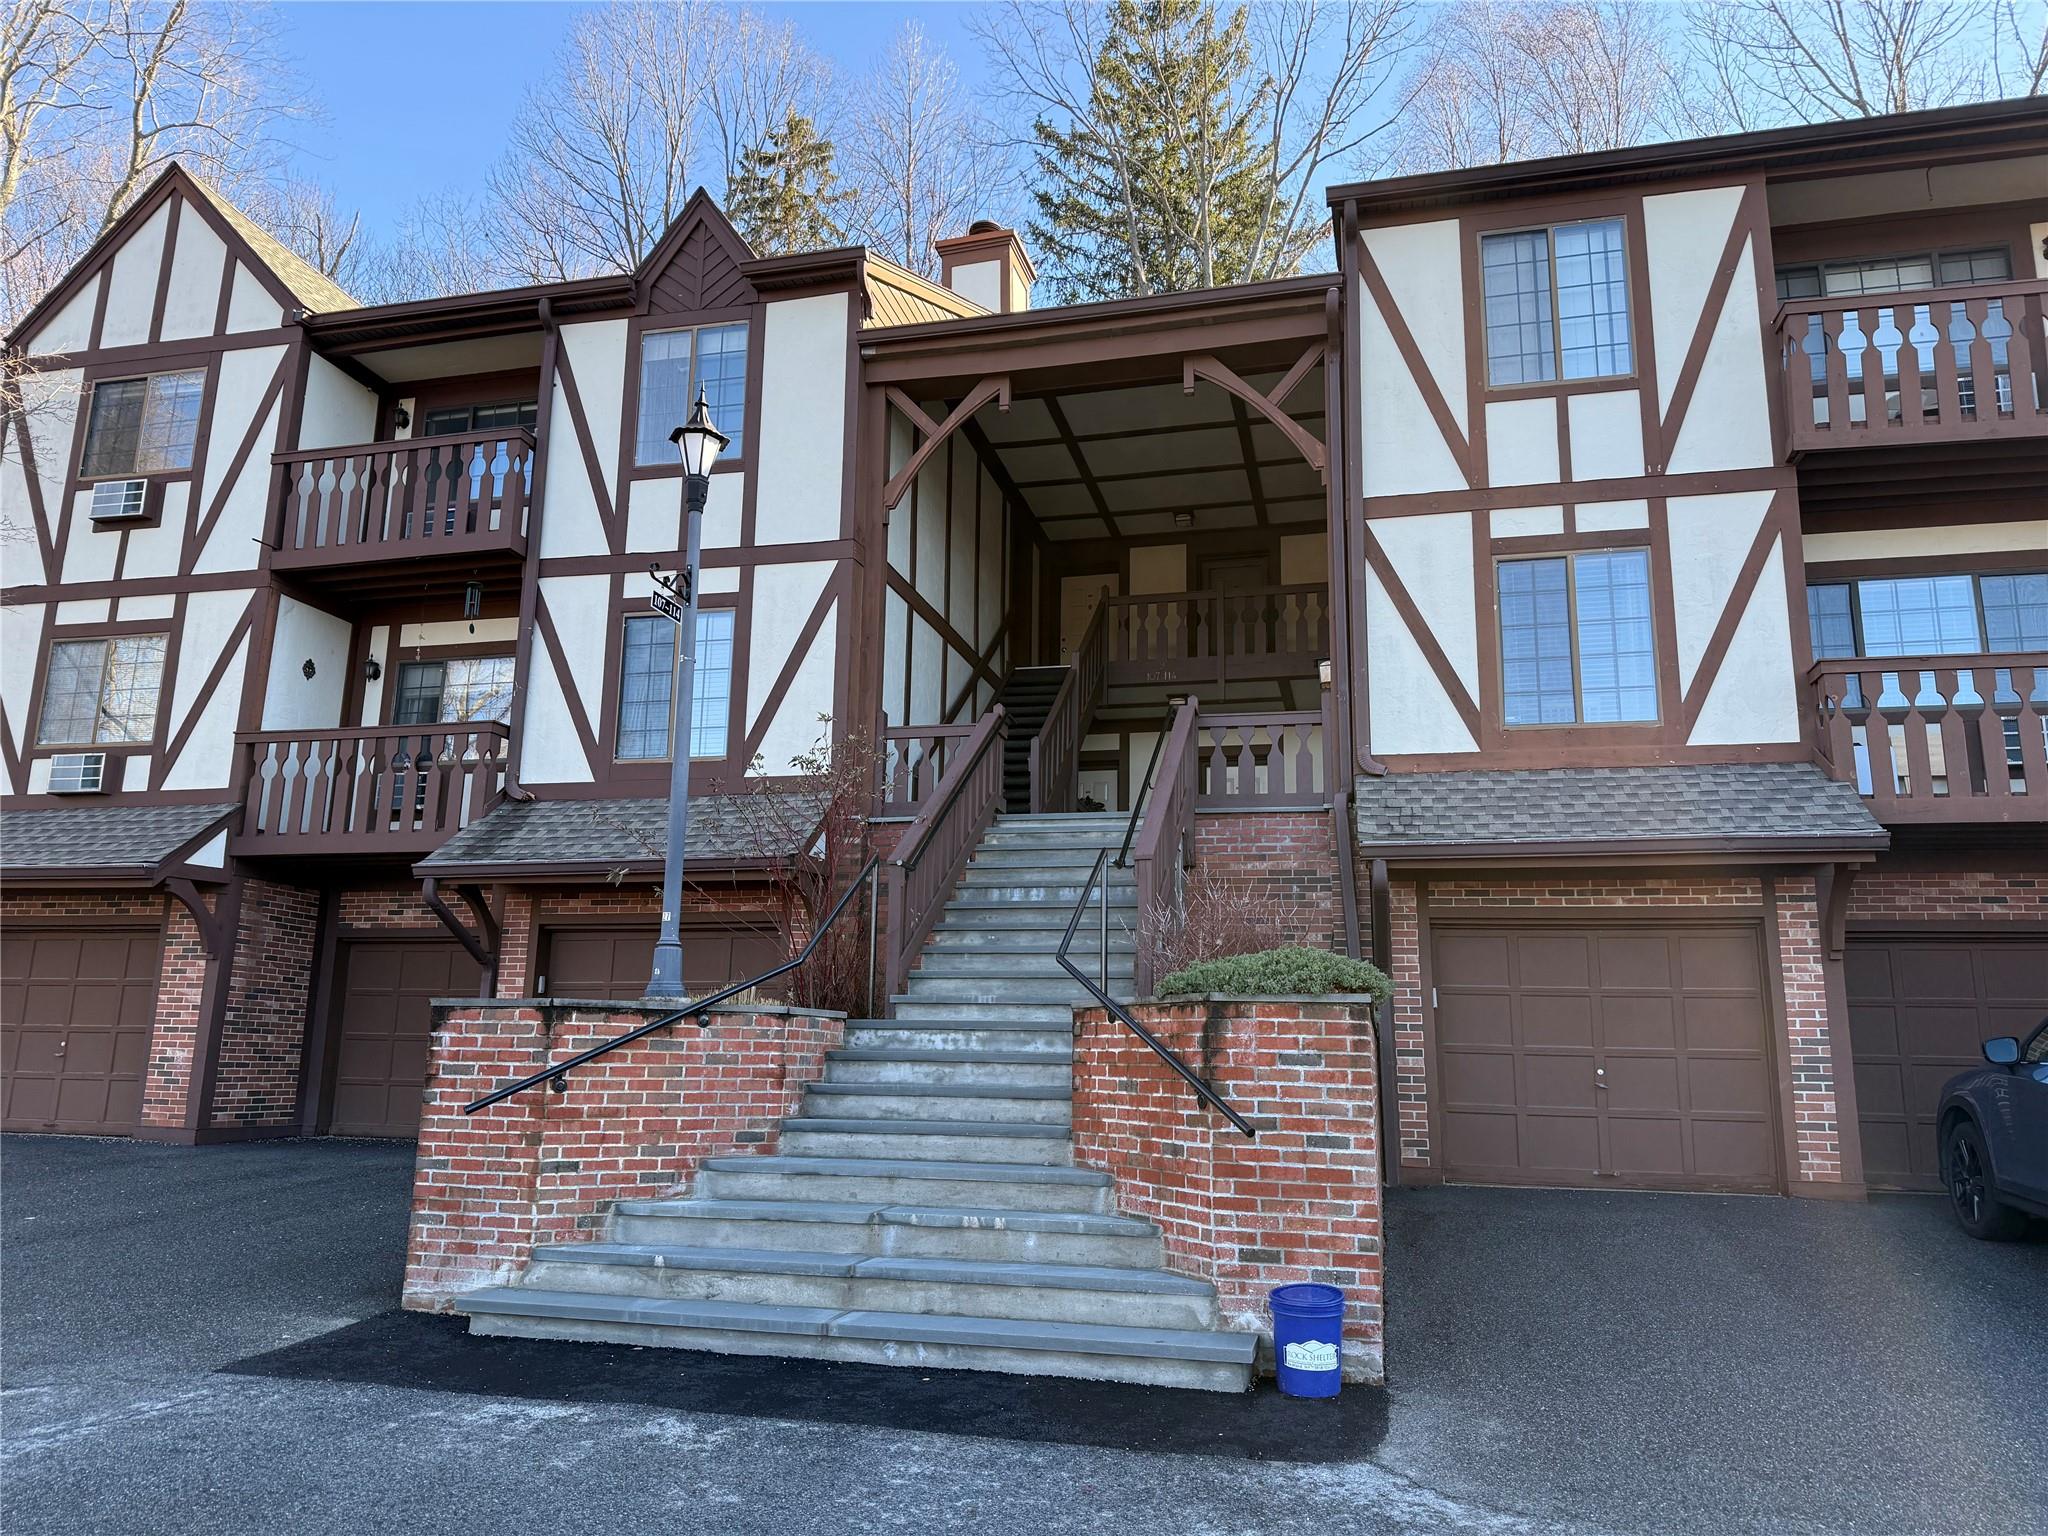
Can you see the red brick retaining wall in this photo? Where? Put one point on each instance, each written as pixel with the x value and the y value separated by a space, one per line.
pixel 1302 1202
pixel 545 1167
pixel 1286 856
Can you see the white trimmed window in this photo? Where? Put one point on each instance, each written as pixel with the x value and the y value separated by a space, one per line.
pixel 102 691
pixel 143 426
pixel 674 365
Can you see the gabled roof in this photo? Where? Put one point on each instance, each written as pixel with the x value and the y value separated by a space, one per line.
pixel 293 281
pixel 595 839
pixel 899 296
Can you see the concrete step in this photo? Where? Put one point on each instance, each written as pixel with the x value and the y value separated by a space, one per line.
pixel 1067 819
pixel 1068 1293
pixel 1055 1041
pixel 927 1231
pixel 995 1103
pixel 905 1181
pixel 1041 961
pixel 998 852
pixel 1018 1069
pixel 1050 985
pixel 957 944
pixel 1039 1010
pixel 996 886
pixel 1012 917
pixel 1150 1356
pixel 965 1141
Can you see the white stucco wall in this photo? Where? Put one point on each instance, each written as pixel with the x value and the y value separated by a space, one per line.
pixel 210 617
pixel 800 464
pixel 244 376
pixel 193 300
pixel 304 633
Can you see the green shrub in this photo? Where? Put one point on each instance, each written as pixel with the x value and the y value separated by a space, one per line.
pixel 1291 972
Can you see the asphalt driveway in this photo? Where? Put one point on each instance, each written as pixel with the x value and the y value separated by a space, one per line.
pixel 1561 1362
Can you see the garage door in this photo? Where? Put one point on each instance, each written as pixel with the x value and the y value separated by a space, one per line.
pixel 616 962
pixel 1628 1057
pixel 1919 1009
pixel 75 1013
pixel 380 1066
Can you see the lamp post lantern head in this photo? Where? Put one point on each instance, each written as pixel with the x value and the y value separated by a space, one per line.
pixel 699 440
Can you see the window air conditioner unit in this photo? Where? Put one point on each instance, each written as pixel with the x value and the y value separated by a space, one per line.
pixel 116 501
pixel 78 773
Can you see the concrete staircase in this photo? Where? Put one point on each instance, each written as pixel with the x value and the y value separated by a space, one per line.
pixel 924 1209
pixel 1026 697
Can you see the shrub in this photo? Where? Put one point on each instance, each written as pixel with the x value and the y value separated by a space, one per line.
pixel 1290 972
pixel 1213 916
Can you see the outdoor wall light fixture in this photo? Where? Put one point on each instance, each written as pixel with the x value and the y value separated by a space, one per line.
pixel 309 669
pixel 401 418
pixel 1183 519
pixel 1323 671
pixel 371 669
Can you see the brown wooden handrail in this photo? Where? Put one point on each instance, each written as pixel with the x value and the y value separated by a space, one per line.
pixel 1055 759
pixel 417 495
pixel 1938 738
pixel 938 843
pixel 1260 759
pixel 1167 637
pixel 1166 838
pixel 366 789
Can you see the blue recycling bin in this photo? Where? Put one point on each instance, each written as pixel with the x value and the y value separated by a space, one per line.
pixel 1308 1339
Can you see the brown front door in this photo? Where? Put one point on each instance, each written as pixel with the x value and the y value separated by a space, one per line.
pixel 1920 1009
pixel 76 1005
pixel 1623 1057
pixel 614 963
pixel 387 994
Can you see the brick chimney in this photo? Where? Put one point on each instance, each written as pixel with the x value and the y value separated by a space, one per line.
pixel 988 265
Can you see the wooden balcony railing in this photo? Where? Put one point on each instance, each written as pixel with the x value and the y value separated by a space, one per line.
pixel 1262 760
pixel 914 762
pixel 1198 637
pixel 1930 366
pixel 1939 738
pixel 391 789
pixel 459 495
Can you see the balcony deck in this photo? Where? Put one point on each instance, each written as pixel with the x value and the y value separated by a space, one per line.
pixel 430 502
pixel 389 791
pixel 1185 639
pixel 1975 358
pixel 1939 739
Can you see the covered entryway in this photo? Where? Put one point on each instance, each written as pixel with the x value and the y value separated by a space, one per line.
pixel 1920 1008
pixel 614 963
pixel 1615 1056
pixel 381 1046
pixel 76 1007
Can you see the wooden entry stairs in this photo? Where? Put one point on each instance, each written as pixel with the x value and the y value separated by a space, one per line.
pixel 925 1208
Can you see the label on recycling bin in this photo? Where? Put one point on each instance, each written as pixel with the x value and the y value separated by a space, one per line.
pixel 1311 1355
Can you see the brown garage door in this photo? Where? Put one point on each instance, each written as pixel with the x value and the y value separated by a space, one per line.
pixel 1919 1009
pixel 1629 1057
pixel 75 1012
pixel 380 1066
pixel 615 962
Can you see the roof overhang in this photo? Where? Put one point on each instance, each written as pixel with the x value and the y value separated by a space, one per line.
pixel 1446 857
pixel 467 315
pixel 126 869
pixel 1981 131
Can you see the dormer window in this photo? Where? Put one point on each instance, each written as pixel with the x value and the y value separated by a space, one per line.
pixel 143 426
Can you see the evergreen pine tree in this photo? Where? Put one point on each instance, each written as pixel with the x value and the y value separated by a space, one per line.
pixel 1168 188
pixel 784 194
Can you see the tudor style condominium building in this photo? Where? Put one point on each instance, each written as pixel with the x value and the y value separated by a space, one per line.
pixel 1615 598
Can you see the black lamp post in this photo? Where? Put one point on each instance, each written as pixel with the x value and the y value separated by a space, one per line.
pixel 700 443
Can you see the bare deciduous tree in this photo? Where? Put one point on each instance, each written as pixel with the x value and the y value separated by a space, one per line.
pixel 921 162
pixel 1812 60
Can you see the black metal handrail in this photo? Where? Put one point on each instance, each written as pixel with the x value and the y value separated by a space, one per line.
pixel 1123 854
pixel 1203 1091
pixel 557 1077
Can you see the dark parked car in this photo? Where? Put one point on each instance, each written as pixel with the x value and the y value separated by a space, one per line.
pixel 1994 1138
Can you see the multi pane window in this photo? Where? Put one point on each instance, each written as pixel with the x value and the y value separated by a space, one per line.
pixel 143 426
pixel 456 689
pixel 1954 615
pixel 102 691
pixel 674 365
pixel 647 681
pixel 1575 639
pixel 1556 303
pixel 448 419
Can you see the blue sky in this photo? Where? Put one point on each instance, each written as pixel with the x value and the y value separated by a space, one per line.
pixel 420 95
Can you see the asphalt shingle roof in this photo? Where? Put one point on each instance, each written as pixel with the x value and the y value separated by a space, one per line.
pixel 600 834
pixel 97 838
pixel 1750 803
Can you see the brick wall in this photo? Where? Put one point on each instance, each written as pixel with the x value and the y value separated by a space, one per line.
pixel 1928 896
pixel 1302 1202
pixel 1286 856
pixel 263 1037
pixel 1807 1041
pixel 544 1167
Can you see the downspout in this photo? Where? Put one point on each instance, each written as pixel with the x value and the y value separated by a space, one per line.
pixel 529 574
pixel 1353 521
